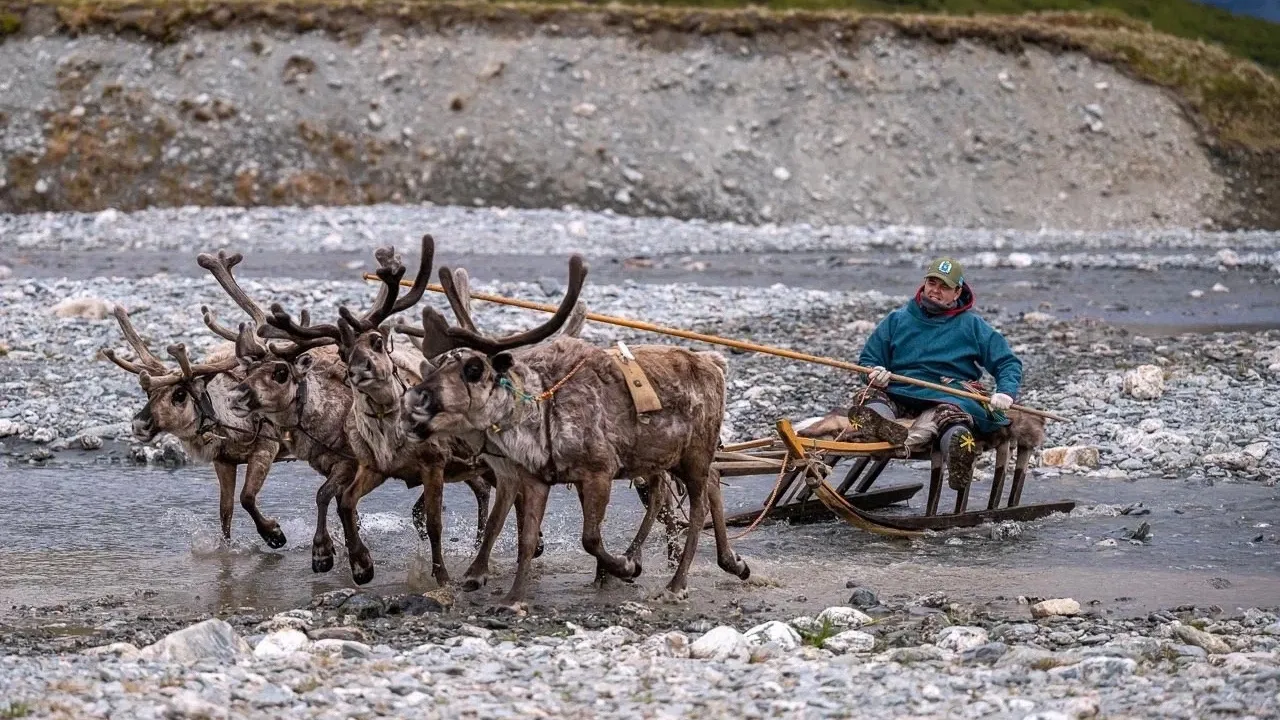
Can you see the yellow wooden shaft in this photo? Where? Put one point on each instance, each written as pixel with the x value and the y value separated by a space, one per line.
pixel 739 344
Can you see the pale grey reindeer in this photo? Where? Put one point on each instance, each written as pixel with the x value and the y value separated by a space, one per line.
pixel 192 403
pixel 378 375
pixel 560 412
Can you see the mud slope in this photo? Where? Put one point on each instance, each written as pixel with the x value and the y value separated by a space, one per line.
pixel 883 130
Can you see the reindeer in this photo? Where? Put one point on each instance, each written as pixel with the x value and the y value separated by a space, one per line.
pixel 559 412
pixel 193 404
pixel 378 376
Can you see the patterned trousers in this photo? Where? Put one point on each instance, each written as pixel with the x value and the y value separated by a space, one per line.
pixel 930 419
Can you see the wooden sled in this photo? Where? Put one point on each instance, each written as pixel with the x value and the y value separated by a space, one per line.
pixel 804 492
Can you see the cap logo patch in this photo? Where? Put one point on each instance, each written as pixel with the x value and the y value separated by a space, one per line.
pixel 944 266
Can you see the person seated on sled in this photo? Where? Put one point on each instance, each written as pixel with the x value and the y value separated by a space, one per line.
pixel 937 337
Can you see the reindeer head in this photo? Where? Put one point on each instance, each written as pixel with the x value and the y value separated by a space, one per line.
pixel 467 388
pixel 272 372
pixel 177 400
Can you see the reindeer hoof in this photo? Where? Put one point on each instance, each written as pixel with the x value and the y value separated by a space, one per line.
pixel 321 563
pixel 673 597
pixel 537 553
pixel 274 537
pixel 636 569
pixel 516 608
pixel 471 584
pixel 442 577
pixel 745 572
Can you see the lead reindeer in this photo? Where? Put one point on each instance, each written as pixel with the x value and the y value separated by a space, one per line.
pixel 378 375
pixel 560 412
pixel 192 403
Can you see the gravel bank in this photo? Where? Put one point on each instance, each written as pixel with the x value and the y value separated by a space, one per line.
pixel 1205 405
pixel 882 130
pixel 355 655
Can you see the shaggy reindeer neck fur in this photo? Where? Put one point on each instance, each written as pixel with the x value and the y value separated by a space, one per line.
pixel 313 423
pixel 374 429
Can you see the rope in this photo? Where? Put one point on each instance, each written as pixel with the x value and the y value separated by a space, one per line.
pixel 768 505
pixel 546 394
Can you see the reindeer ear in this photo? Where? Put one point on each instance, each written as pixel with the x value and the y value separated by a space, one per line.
pixel 385 329
pixel 197 385
pixel 302 365
pixel 502 362
pixel 425 368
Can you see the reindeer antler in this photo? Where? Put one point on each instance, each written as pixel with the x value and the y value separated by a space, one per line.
pixel 390 271
pixel 492 346
pixel 186 371
pixel 147 360
pixel 457 288
pixel 221 266
pixel 211 322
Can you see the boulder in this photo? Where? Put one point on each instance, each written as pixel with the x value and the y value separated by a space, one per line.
pixel 1070 456
pixel 721 643
pixel 86 308
pixel 1209 642
pixel 780 634
pixel 212 639
pixel 959 638
pixel 849 641
pixel 843 617
pixel 1145 382
pixel 1051 608
pixel 282 643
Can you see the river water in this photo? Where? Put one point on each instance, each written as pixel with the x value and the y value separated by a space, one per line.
pixel 111 528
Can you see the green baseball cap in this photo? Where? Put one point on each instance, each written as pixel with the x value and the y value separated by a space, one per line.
pixel 947 270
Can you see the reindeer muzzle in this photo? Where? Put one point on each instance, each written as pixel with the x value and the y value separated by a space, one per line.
pixel 144 425
pixel 244 400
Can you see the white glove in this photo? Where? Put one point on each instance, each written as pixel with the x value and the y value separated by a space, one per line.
pixel 1001 402
pixel 879 377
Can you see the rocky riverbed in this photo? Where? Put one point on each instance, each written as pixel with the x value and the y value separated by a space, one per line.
pixel 1189 405
pixel 351 654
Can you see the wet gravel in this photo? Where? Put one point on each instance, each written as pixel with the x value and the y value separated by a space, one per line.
pixel 350 654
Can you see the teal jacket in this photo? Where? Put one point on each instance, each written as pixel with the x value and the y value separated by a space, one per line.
pixel 946 349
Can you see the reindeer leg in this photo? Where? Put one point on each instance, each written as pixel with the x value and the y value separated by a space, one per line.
pixel 433 506
pixel 477 573
pixel 726 558
pixel 534 500
pixel 255 475
pixel 358 556
pixel 226 473
pixel 340 476
pixel 695 488
pixel 593 490
pixel 482 490
pixel 656 501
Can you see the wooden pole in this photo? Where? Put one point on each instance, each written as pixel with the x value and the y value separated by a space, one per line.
pixel 727 342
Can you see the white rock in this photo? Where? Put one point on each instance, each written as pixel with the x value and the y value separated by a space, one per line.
pixel 843 617
pixel 1231 460
pixel 212 639
pixel 577 228
pixel 376 122
pixel 1209 642
pixel 958 638
pixel 804 623
pixel 861 327
pixel 5 271
pixel 780 634
pixel 1145 382
pixel 122 650
pixel 106 217
pixel 88 308
pixel 1197 293
pixel 189 704
pixel 1150 425
pixel 345 648
pixel 782 173
pixel 1060 606
pixel 1070 456
pixel 722 643
pixel 1220 288
pixel 672 644
pixel 282 643
pixel 585 109
pixel 849 641
pixel 1020 260
pixel 1228 257
pixel 9 427
pixel 1257 450
pixel 1037 318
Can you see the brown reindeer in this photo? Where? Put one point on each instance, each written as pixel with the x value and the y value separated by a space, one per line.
pixel 192 403
pixel 300 389
pixel 378 376
pixel 560 412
